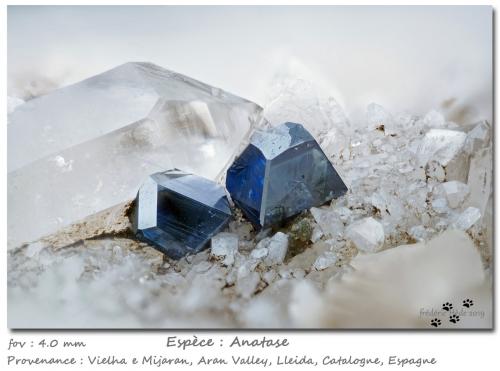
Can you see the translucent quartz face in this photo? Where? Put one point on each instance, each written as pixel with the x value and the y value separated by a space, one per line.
pixel 89 146
pixel 282 172
pixel 178 212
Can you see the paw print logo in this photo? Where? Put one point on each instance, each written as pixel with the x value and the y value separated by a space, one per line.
pixel 436 322
pixel 447 306
pixel 454 318
pixel 467 303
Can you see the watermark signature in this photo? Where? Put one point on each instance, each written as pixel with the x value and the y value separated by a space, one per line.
pixel 452 313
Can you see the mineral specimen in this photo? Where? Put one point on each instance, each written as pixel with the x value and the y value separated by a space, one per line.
pixel 179 212
pixel 282 172
pixel 87 147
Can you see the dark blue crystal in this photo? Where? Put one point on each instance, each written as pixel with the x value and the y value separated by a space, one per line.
pixel 282 172
pixel 178 213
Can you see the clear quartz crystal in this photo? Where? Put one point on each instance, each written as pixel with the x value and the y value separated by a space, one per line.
pixel 467 218
pixel 277 248
pixel 367 234
pixel 225 245
pixel 329 221
pixel 478 137
pixel 325 260
pixel 455 192
pixel 89 146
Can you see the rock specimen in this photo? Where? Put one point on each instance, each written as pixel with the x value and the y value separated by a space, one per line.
pixel 179 213
pixel 282 172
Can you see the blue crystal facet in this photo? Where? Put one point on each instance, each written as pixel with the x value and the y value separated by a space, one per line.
pixel 178 213
pixel 282 172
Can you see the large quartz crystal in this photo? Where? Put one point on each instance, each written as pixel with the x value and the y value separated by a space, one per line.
pixel 282 172
pixel 179 213
pixel 87 147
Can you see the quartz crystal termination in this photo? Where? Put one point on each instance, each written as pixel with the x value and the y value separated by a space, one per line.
pixel 178 213
pixel 282 172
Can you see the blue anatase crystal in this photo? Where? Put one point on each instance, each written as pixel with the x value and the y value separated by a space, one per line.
pixel 178 212
pixel 282 172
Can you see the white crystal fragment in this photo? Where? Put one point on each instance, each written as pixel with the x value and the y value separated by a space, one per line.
pixel 419 233
pixel 378 118
pixel 329 221
pixel 441 145
pixel 277 247
pixel 325 260
pixel 367 234
pixel 467 218
pixel 440 206
pixel 259 253
pixel 269 276
pixel 455 192
pixel 317 233
pixel 247 285
pixel 478 137
pixel 435 171
pixel 225 245
pixel 434 120
pixel 480 179
pixel 247 267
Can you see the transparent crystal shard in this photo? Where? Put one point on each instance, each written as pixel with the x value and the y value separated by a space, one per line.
pixel 179 213
pixel 225 245
pixel 443 151
pixel 89 146
pixel 467 218
pixel 282 172
pixel 325 260
pixel 455 192
pixel 367 234
pixel 478 137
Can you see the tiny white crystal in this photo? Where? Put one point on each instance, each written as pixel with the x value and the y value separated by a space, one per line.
pixel 480 179
pixel 269 276
pixel 419 233
pixel 247 285
pixel 325 260
pixel 455 192
pixel 367 234
pixel 441 145
pixel 278 246
pixel 378 118
pixel 225 245
pixel 440 206
pixel 467 219
pixel 259 253
pixel 329 221
pixel 434 120
pixel 478 137
pixel 317 233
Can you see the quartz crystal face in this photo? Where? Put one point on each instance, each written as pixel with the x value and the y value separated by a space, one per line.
pixel 178 213
pixel 282 172
pixel 87 147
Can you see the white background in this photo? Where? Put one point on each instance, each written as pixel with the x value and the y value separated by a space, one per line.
pixel 454 350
